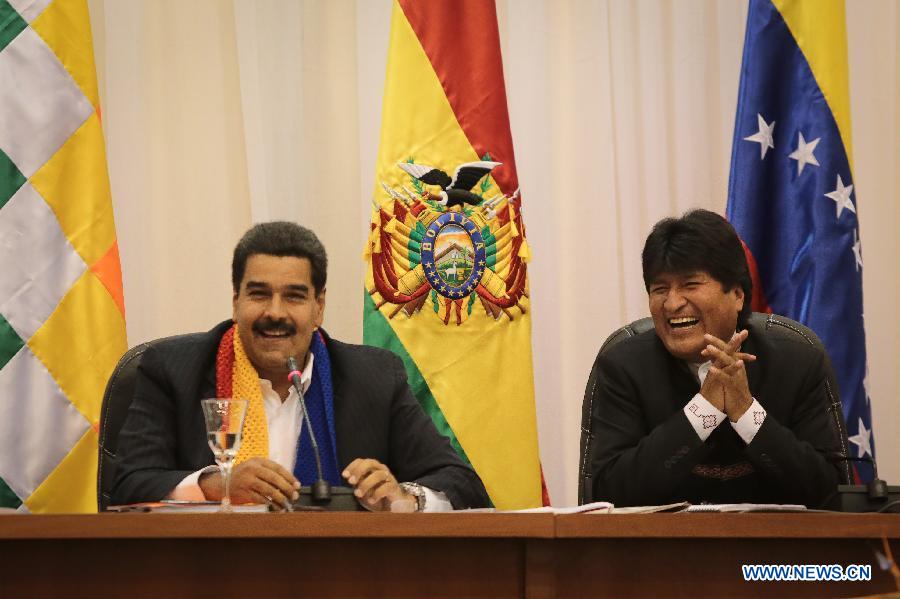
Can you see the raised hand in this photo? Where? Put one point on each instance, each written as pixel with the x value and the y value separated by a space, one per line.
pixel 726 383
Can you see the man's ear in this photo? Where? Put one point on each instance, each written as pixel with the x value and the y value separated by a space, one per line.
pixel 739 297
pixel 320 308
pixel 234 299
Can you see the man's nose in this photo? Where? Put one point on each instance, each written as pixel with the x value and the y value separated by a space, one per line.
pixel 674 300
pixel 275 309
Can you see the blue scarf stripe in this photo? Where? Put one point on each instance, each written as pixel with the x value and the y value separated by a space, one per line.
pixel 319 400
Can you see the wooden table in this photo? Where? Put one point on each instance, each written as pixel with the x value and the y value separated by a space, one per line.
pixel 431 555
pixel 700 555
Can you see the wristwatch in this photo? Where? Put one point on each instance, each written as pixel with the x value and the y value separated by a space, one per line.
pixel 417 491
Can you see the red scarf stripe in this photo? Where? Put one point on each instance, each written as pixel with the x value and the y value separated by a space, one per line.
pixel 225 364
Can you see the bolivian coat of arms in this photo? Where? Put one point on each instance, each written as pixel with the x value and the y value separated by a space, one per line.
pixel 448 243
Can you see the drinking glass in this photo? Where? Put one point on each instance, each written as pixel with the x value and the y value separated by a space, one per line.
pixel 224 423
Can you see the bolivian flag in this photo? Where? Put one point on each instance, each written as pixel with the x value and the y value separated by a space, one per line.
pixel 62 324
pixel 447 287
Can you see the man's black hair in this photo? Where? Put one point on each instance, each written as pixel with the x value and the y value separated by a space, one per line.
pixel 280 238
pixel 699 241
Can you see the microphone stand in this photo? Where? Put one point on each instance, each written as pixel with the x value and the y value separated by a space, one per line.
pixel 320 493
pixel 876 496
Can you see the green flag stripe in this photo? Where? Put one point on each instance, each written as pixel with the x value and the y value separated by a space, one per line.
pixel 10 342
pixel 11 24
pixel 378 332
pixel 7 497
pixel 10 177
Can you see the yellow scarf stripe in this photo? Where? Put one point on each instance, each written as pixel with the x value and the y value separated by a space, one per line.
pixel 245 385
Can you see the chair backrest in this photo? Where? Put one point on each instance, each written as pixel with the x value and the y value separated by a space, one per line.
pixel 116 400
pixel 772 324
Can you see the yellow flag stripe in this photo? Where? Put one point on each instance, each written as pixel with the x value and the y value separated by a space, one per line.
pixel 74 182
pixel 820 30
pixel 72 486
pixel 65 26
pixel 81 343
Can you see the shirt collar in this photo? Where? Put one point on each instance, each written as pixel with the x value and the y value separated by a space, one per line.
pixel 305 376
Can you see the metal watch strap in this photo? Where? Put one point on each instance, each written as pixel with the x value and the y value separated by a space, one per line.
pixel 417 491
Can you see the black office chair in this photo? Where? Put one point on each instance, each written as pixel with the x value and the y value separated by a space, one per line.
pixel 775 325
pixel 116 400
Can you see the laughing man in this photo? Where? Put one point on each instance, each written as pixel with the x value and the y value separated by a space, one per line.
pixel 708 406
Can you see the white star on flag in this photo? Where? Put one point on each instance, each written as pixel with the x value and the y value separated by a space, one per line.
pixel 804 153
pixel 841 197
pixel 862 439
pixel 857 250
pixel 763 137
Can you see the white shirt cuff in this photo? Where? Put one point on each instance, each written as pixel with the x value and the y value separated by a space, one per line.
pixel 189 487
pixel 748 425
pixel 703 416
pixel 436 501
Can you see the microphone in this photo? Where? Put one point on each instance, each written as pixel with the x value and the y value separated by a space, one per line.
pixel 321 489
pixel 876 496
pixel 876 489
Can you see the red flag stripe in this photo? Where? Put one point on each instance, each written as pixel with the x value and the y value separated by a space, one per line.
pixel 758 302
pixel 465 32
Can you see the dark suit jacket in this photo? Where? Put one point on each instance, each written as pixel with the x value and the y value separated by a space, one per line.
pixel 646 451
pixel 376 416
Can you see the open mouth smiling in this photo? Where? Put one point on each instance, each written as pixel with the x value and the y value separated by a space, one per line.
pixel 683 322
pixel 270 330
pixel 274 334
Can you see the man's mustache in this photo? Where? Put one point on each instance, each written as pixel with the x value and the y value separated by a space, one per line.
pixel 267 325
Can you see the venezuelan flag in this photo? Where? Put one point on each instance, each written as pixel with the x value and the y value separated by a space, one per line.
pixel 791 194
pixel 447 287
pixel 62 312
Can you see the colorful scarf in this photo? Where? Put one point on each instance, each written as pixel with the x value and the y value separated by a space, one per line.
pixel 236 377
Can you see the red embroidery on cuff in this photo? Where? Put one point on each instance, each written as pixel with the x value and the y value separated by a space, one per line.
pixel 709 421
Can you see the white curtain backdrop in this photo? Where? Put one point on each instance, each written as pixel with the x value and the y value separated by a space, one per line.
pixel 218 114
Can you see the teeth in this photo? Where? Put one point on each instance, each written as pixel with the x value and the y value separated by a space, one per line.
pixel 682 320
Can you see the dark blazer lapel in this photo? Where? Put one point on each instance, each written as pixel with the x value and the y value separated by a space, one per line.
pixel 682 379
pixel 208 387
pixel 754 369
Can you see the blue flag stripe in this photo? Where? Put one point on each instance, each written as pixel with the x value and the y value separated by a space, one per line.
pixel 800 224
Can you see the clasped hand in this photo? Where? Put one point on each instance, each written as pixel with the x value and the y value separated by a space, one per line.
pixel 726 385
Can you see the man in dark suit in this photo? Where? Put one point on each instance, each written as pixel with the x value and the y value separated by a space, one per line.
pixel 709 407
pixel 371 431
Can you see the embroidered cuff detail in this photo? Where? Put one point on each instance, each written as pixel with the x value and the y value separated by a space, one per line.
pixel 703 416
pixel 748 425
